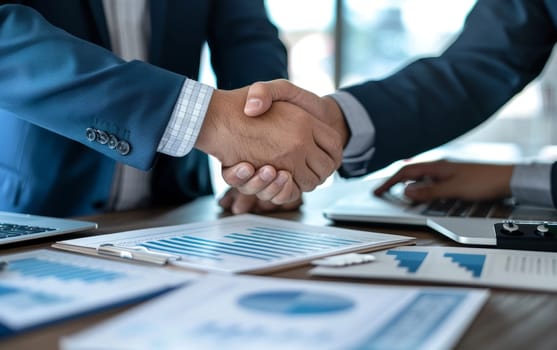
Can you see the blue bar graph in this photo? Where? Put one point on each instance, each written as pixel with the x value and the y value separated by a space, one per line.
pixel 21 298
pixel 408 259
pixel 45 268
pixel 412 326
pixel 256 243
pixel 471 262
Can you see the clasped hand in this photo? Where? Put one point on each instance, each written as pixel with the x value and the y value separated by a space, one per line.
pixel 290 143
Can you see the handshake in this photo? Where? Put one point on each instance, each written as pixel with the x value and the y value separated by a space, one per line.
pixel 291 137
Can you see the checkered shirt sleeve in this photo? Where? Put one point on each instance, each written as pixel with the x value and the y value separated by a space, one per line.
pixel 186 119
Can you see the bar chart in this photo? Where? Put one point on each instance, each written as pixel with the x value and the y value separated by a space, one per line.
pixel 44 286
pixel 260 243
pixel 238 244
pixel 41 268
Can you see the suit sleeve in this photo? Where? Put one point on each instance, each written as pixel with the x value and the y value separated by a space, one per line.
pixel 245 46
pixel 503 46
pixel 67 85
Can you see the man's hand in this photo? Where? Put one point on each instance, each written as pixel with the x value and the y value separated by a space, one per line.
pixel 262 95
pixel 267 184
pixel 468 181
pixel 259 99
pixel 239 203
pixel 286 136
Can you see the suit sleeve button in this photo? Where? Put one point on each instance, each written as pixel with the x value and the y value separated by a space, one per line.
pixel 123 147
pixel 102 137
pixel 90 134
pixel 112 141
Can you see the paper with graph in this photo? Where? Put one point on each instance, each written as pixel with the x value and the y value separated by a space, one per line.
pixel 42 286
pixel 250 312
pixel 243 243
pixel 468 266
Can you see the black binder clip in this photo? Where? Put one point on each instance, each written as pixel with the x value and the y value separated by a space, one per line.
pixel 527 235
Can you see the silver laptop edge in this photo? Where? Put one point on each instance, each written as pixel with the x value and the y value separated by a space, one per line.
pixel 60 225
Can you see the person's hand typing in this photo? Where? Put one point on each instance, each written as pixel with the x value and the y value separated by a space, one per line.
pixel 468 181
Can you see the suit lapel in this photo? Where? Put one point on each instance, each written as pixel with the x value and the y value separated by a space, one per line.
pixel 100 21
pixel 158 9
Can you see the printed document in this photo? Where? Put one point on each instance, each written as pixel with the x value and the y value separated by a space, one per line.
pixel 249 312
pixel 43 286
pixel 506 268
pixel 243 243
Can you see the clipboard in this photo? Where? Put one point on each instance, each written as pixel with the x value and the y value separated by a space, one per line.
pixel 240 244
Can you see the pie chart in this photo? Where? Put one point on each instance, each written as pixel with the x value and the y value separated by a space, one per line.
pixel 295 302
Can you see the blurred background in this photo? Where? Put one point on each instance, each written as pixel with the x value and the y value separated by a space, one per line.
pixel 333 43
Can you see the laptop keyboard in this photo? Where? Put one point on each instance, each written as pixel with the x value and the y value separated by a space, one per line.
pixel 460 208
pixel 500 209
pixel 8 230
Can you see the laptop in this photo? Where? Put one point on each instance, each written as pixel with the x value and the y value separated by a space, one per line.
pixel 16 227
pixel 464 222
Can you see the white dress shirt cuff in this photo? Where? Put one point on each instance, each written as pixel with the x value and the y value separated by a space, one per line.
pixel 186 119
pixel 531 184
pixel 359 149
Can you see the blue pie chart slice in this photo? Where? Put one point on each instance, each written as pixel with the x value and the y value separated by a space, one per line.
pixel 295 302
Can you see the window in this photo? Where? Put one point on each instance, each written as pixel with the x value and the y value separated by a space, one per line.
pixel 380 37
pixel 308 33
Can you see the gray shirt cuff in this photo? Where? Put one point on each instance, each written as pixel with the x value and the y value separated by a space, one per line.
pixel 531 184
pixel 359 149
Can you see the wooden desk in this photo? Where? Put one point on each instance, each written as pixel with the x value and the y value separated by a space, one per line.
pixel 509 320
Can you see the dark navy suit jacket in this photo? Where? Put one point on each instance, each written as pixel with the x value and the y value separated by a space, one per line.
pixel 503 46
pixel 56 81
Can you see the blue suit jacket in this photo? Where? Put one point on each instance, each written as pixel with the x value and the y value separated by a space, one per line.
pixel 56 81
pixel 503 46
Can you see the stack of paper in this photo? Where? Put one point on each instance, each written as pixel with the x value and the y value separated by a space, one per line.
pixel 242 312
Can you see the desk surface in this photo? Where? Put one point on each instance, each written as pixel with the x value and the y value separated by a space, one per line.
pixel 509 320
